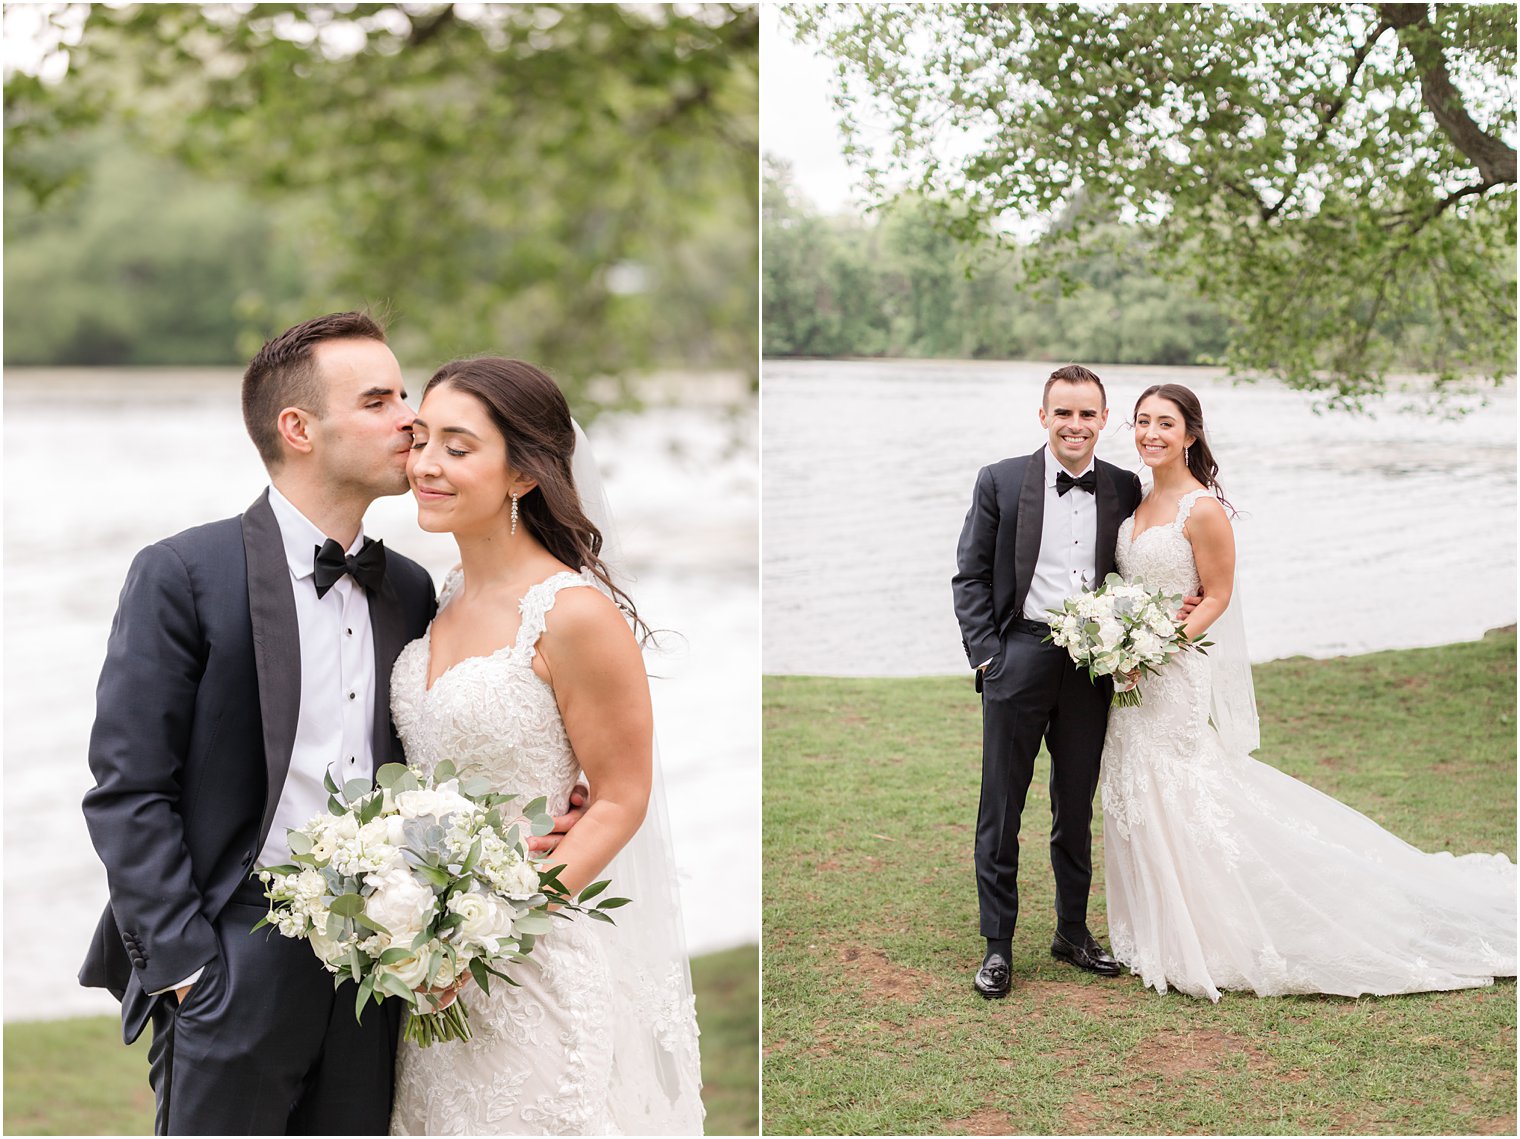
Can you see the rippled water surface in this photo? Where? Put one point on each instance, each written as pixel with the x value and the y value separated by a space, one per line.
pixel 1357 534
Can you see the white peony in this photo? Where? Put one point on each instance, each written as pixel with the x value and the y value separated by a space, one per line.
pixel 444 799
pixel 400 903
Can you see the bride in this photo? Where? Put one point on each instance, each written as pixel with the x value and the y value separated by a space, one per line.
pixel 531 673
pixel 1222 872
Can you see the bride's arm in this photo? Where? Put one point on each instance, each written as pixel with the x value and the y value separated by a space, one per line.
pixel 598 676
pixel 1208 529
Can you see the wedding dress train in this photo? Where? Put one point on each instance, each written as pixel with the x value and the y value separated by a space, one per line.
pixel 601 1036
pixel 1224 873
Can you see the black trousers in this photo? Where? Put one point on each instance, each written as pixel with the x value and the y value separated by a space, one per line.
pixel 264 1045
pixel 1033 691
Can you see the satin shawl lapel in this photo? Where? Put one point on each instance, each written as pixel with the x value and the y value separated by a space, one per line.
pixel 1109 518
pixel 387 627
pixel 276 645
pixel 1026 549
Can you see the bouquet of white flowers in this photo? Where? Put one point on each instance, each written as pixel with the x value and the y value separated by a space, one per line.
pixel 416 883
pixel 1120 627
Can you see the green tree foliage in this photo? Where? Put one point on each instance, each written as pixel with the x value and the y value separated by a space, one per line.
pixel 143 263
pixel 575 184
pixel 902 285
pixel 1338 177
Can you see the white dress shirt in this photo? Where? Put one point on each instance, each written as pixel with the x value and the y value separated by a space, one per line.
pixel 1068 544
pixel 335 724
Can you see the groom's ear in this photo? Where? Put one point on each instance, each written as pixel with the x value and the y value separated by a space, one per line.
pixel 294 427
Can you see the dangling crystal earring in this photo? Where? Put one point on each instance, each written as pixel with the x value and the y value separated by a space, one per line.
pixel 1187 461
pixel 514 512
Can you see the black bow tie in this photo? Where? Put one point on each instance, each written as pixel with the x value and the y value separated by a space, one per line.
pixel 367 567
pixel 1088 482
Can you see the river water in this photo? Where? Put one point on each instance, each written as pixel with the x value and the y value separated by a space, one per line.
pixel 99 463
pixel 1356 533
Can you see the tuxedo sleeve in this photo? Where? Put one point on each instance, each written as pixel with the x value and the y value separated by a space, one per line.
pixel 972 583
pixel 145 707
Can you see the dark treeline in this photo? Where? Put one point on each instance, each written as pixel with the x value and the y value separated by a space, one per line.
pixel 899 284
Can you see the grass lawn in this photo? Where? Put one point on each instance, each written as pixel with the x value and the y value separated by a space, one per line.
pixel 73 1077
pixel 871 1024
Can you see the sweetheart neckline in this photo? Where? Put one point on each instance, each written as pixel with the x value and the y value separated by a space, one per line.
pixel 427 636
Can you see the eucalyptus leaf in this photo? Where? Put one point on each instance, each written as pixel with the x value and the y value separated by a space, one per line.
pixel 388 774
pixel 347 905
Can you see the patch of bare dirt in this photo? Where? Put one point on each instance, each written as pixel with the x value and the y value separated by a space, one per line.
pixel 1083 1115
pixel 1175 1053
pixel 1093 999
pixel 983 1121
pixel 882 979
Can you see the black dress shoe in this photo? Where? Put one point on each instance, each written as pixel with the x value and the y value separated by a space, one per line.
pixel 1089 955
pixel 992 979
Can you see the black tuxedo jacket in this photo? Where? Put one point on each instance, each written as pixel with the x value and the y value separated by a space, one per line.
pixel 195 721
pixel 1000 543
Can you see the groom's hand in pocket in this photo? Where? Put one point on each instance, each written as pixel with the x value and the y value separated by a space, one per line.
pixel 580 798
pixel 182 992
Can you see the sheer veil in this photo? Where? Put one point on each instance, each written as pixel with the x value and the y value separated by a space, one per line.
pixel 656 1073
pixel 1232 692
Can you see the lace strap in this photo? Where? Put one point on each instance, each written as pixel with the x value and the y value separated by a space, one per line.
pixel 537 602
pixel 451 583
pixel 1185 506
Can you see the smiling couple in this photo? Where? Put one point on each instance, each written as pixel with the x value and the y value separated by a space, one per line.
pixel 1221 872
pixel 251 657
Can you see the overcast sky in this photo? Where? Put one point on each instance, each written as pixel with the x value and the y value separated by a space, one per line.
pixel 797 120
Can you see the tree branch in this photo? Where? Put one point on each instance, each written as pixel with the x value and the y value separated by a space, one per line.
pixel 1495 161
pixel 423 32
pixel 1331 113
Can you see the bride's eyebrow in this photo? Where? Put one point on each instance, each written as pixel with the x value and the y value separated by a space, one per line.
pixel 446 430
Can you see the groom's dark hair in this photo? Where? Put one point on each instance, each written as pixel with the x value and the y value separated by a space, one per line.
pixel 1073 374
pixel 282 374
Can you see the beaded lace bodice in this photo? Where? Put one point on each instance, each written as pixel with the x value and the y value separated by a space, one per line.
pixel 490 713
pixel 1162 556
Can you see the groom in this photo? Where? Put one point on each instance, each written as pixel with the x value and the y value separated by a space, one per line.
pixel 1040 528
pixel 249 657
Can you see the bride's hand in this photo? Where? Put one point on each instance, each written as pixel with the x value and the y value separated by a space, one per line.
pixel 580 799
pixel 444 995
pixel 1129 679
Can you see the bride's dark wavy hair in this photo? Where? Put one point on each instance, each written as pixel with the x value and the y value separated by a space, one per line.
pixel 1200 463
pixel 534 418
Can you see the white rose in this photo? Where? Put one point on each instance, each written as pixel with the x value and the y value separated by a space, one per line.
pixel 487 920
pixel 329 949
pixel 411 970
pixel 1147 645
pixel 400 903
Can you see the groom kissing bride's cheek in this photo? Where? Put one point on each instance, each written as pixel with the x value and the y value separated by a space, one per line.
pixel 1221 871
pixel 253 659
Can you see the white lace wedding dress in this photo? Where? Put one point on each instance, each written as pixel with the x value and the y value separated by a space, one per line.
pixel 597 1040
pixel 1224 873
